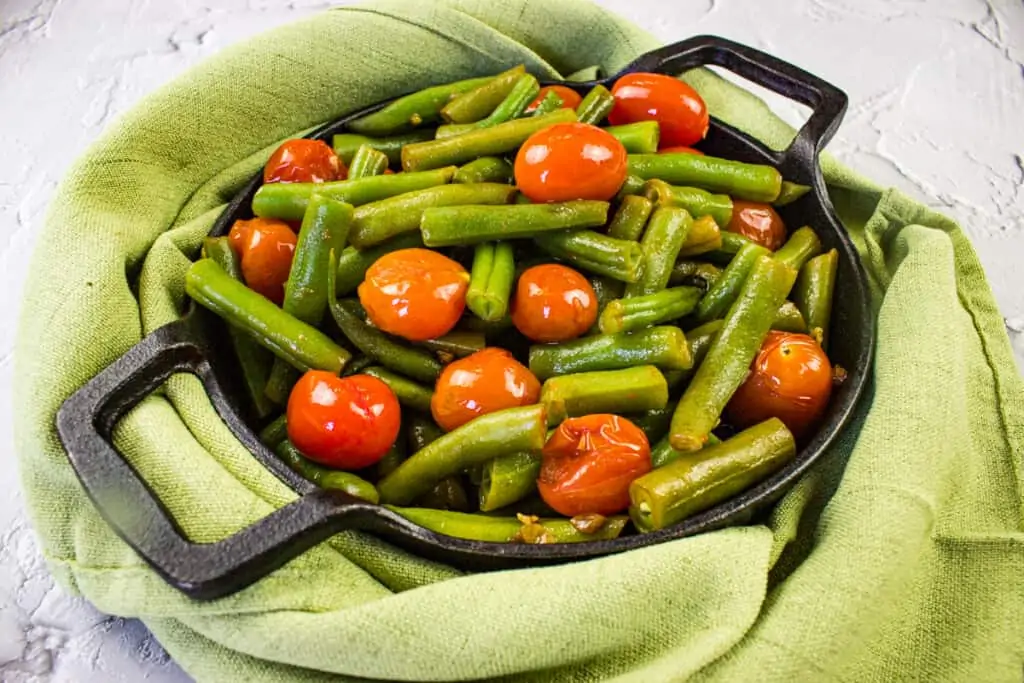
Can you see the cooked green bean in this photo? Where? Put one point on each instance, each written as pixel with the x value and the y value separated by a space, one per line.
pixel 476 527
pixel 523 92
pixel 491 278
pixel 729 357
pixel 499 139
pixel 455 225
pixel 325 478
pixel 414 110
pixel 704 236
pixel 695 200
pixel 633 185
pixel 382 220
pixel 600 254
pixel 789 318
pixel 486 437
pixel 684 272
pixel 655 423
pixel 457 343
pixel 550 103
pixel 286 336
pixel 473 105
pixel 409 393
pixel 664 347
pixel 288 201
pixel 632 390
pixel 508 479
pixel 423 431
pixel 813 293
pixel 275 432
pixel 636 313
pixel 694 482
pixel 595 106
pixel 447 494
pixel 665 235
pixel 790 192
pixel 353 263
pixel 397 454
pixel 754 182
pixel 662 452
pixel 638 138
pixel 606 290
pixel 367 162
pixel 732 242
pixel 720 297
pixel 346 144
pixel 357 365
pixel 485 170
pixel 801 246
pixel 631 218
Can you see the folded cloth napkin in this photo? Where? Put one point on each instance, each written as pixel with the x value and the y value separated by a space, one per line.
pixel 900 557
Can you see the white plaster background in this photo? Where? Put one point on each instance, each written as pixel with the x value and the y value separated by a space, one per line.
pixel 936 108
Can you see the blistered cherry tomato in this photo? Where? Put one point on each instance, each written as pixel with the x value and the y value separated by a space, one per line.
pixel 303 161
pixel 678 109
pixel 343 422
pixel 570 98
pixel 570 161
pixel 589 463
pixel 553 303
pixel 265 247
pixel 791 379
pixel 680 150
pixel 418 294
pixel 758 223
pixel 481 383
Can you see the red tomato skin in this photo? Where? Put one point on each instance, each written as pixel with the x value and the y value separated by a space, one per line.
pixel 680 150
pixel 589 463
pixel 342 422
pixel 570 161
pixel 481 383
pixel 417 294
pixel 303 161
pixel 680 111
pixel 757 222
pixel 570 98
pixel 265 249
pixel 553 303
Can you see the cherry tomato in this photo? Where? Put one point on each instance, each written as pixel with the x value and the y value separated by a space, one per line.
pixel 680 150
pixel 791 379
pixel 553 303
pixel 589 463
pixel 303 161
pixel 570 161
pixel 680 111
pixel 481 383
pixel 414 293
pixel 757 222
pixel 342 422
pixel 570 98
pixel 265 247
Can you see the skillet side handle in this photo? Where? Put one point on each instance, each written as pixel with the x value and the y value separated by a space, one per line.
pixel 85 422
pixel 828 103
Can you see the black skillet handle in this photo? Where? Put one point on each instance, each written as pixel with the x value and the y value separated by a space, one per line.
pixel 203 571
pixel 827 101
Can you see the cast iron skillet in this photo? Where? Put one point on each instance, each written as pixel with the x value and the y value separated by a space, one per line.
pixel 194 344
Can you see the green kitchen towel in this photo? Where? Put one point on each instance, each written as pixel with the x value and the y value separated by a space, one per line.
pixel 899 558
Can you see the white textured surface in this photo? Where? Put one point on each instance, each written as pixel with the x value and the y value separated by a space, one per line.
pixel 936 90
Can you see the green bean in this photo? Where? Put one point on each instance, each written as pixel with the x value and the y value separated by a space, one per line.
pixel 732 242
pixel 479 440
pixel 490 283
pixel 413 110
pixel 655 423
pixel 514 104
pixel 698 202
pixel 728 359
pixel 635 313
pixel 666 233
pixel 662 452
pixel 423 431
pixel 606 290
pixel 600 254
pixel 476 325
pixel 367 162
pixel 335 480
pixel 638 138
pixel 496 140
pixel 477 103
pixel 801 246
pixel 353 263
pixel 720 297
pixel 632 390
pixel 476 527
pixel 813 293
pixel 287 337
pixel 631 218
pixel 288 201
pixel 789 318
pixel 508 479
pixel 633 185
pixel 694 482
pixel 664 347
pixel 457 343
pixel 704 236
pixel 275 432
pixel 790 192
pixel 394 457
pixel 455 225
pixel 447 494
pixel 754 182
pixel 379 221
pixel 254 361
pixel 550 103
pixel 685 271
pixel 485 170
pixel 346 144
pixel 409 393
pixel 596 105
pixel 699 340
